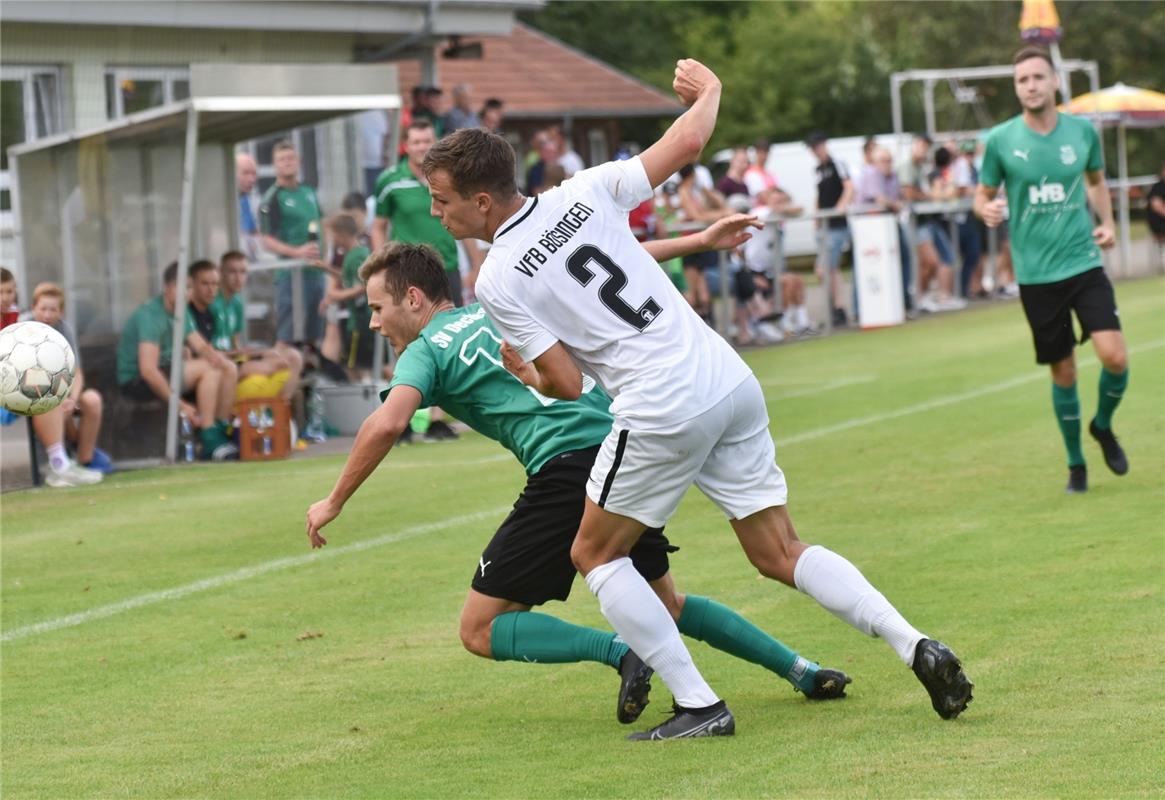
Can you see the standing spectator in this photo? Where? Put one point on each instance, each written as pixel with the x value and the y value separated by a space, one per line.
pixel 428 108
pixel 1156 213
pixel 462 114
pixel 933 228
pixel 733 180
pixel 493 115
pixel 881 188
pixel 280 367
pixel 246 175
pixel 966 178
pixel 143 369
pixel 291 221
pixel 55 428
pixel 835 191
pixel 403 207
pixel 569 160
pixel 869 169
pixel 373 127
pixel 700 205
pixel 934 245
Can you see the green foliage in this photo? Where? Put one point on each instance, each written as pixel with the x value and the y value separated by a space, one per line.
pixel 342 676
pixel 792 67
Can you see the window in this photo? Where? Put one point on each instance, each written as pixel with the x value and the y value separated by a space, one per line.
pixel 30 108
pixel 132 89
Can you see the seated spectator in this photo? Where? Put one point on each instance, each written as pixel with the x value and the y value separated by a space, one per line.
pixel 700 205
pixel 57 428
pixel 347 290
pixel 8 304
pixel 143 369
pixel 763 258
pixel 263 372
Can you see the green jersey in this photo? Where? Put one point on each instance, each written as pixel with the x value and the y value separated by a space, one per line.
pixel 150 322
pixel 288 215
pixel 456 363
pixel 358 313
pixel 1051 226
pixel 229 321
pixel 407 205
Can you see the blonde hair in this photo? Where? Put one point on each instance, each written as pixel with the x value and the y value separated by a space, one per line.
pixel 48 289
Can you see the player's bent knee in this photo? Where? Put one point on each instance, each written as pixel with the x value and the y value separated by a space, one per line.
pixel 475 636
pixel 91 401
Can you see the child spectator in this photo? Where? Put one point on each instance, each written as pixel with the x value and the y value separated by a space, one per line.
pixel 349 291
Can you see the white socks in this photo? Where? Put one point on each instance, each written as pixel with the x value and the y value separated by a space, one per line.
pixel 640 618
pixel 58 458
pixel 840 588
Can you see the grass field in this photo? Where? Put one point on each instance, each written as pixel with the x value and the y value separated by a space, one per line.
pixel 169 634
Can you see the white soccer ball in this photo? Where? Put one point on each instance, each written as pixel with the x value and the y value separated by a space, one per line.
pixel 36 368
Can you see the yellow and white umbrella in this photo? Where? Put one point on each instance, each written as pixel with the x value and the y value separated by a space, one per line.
pixel 1123 107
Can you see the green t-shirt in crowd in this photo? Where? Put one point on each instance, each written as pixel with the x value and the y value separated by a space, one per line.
pixel 407 205
pixel 288 214
pixel 150 322
pixel 456 363
pixel 358 312
pixel 1051 226
pixel 229 321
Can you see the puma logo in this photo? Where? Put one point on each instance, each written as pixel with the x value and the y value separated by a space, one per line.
pixel 483 565
pixel 1021 153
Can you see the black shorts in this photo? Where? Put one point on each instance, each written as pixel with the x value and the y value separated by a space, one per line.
pixel 528 559
pixel 703 261
pixel 1049 308
pixel 358 348
pixel 139 390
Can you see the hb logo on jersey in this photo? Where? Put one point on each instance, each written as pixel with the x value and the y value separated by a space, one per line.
pixel 1046 193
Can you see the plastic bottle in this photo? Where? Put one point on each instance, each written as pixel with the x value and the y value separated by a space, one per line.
pixel 315 431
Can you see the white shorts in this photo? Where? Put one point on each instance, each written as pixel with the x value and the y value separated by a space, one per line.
pixel 726 451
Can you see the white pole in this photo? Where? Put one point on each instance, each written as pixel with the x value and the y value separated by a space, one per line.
pixel 185 223
pixel 1065 78
pixel 1123 165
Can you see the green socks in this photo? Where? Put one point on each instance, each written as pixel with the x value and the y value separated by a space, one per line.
pixel 538 638
pixel 1112 389
pixel 1067 406
pixel 724 629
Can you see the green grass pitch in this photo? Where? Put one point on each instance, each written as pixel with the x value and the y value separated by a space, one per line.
pixel 169 633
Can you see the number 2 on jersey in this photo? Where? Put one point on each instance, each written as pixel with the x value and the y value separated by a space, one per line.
pixel 577 266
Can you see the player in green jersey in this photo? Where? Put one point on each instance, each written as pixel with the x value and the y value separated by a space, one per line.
pixel 452 356
pixel 1051 167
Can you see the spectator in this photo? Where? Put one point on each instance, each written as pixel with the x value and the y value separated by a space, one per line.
pixel 8 305
pixel 869 170
pixel 835 191
pixel 1156 212
pixel 357 340
pixel 290 219
pixel 493 115
pixel 552 176
pixel 569 160
pixel 143 370
pixel 700 205
pixel 935 253
pixel 547 147
pixel 733 180
pixel 263 372
pixel 881 188
pixel 763 257
pixel 971 230
pixel 373 127
pixel 57 427
pixel 426 102
pixel 934 257
pixel 403 207
pixel 246 175
pixel 462 114
pixel 355 205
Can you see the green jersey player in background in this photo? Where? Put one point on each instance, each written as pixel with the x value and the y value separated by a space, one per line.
pixel 1052 169
pixel 451 357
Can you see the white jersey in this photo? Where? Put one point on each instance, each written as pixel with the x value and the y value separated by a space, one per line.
pixel 566 268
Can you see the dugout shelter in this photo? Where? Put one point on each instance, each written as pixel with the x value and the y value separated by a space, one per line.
pixel 103 211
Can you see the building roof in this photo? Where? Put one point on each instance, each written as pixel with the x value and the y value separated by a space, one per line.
pixel 538 76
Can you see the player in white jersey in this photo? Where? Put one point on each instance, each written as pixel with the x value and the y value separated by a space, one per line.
pixel 571 290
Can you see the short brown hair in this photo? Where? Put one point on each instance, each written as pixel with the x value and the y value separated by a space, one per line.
pixel 48 289
pixel 200 266
pixel 6 276
pixel 1032 51
pixel 231 255
pixel 477 161
pixel 406 265
pixel 281 145
pixel 419 124
pixel 344 224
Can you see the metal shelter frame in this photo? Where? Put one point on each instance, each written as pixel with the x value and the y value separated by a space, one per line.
pixel 221 112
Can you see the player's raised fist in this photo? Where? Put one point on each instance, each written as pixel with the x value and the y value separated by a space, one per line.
pixel 692 80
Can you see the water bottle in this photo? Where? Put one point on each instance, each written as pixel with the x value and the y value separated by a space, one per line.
pixel 186 439
pixel 314 431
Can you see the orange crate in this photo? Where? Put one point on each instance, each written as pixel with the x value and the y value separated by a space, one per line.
pixel 264 428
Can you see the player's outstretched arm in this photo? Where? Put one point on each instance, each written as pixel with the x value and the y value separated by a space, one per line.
pixel 373 441
pixel 699 88
pixel 553 374
pixel 727 233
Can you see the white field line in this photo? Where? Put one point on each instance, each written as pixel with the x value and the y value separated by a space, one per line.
pixel 246 573
pixel 939 402
pixel 820 388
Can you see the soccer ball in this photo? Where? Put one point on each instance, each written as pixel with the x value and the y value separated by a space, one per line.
pixel 36 368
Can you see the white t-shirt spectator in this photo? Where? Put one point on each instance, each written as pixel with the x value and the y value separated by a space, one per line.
pixel 571 162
